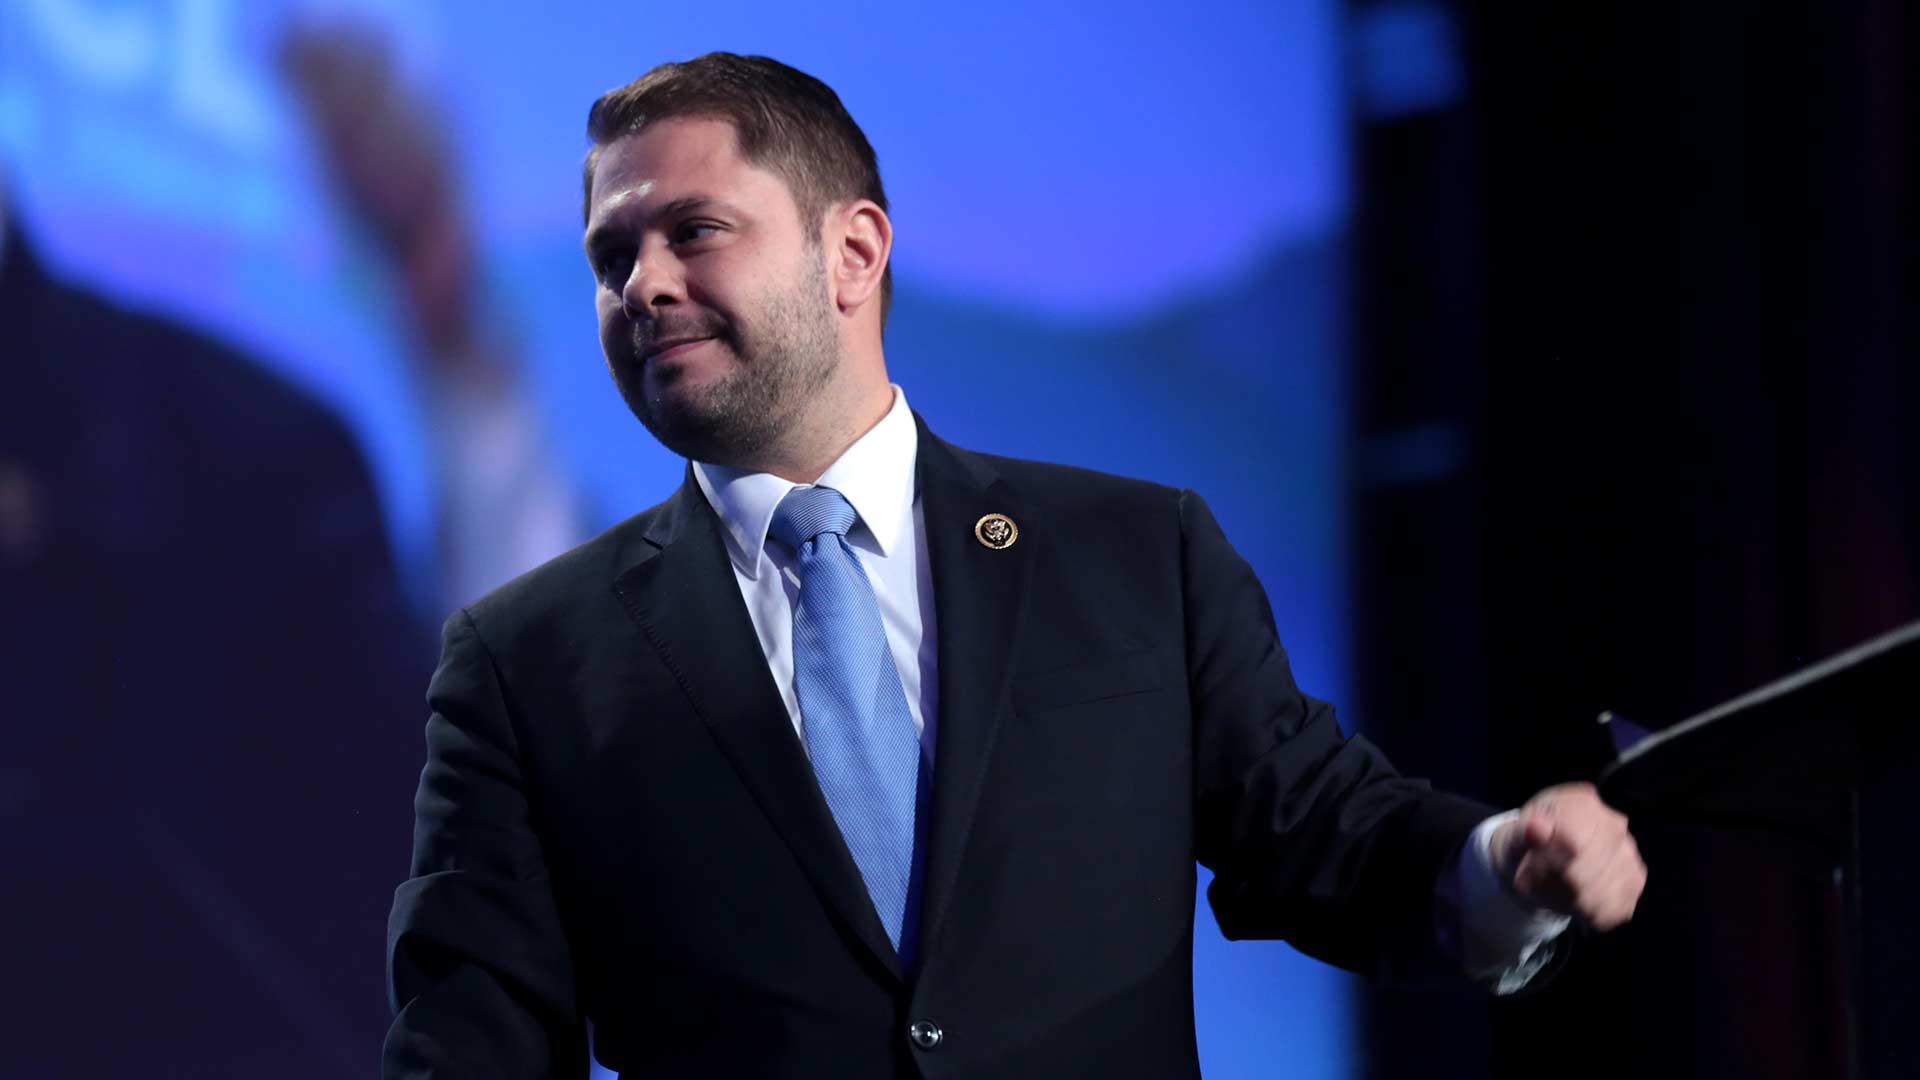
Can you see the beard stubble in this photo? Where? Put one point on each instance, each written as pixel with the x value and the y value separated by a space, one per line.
pixel 784 353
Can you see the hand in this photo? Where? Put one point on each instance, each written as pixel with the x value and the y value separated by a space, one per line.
pixel 1571 853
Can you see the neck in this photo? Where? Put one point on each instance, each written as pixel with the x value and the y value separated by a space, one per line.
pixel 825 432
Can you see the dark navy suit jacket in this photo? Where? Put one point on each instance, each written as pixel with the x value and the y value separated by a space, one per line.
pixel 617 825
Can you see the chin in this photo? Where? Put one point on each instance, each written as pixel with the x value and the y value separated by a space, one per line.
pixel 677 424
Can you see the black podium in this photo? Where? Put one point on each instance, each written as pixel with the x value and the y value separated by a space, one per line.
pixel 1821 767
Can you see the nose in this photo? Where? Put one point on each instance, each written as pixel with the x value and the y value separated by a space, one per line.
pixel 654 282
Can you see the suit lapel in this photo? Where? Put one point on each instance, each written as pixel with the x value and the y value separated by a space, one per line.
pixel 683 595
pixel 979 604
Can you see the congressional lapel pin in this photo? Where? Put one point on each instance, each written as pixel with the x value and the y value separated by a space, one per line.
pixel 996 531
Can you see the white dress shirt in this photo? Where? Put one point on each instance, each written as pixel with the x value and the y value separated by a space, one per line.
pixel 877 476
pixel 1497 938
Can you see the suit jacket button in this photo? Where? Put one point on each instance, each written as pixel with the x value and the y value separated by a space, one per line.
pixel 925 1034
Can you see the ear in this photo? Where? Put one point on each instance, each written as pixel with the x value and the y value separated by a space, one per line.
pixel 859 243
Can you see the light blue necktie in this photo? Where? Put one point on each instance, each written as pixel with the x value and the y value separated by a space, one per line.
pixel 853 712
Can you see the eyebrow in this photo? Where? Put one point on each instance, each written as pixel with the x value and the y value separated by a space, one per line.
pixel 685 204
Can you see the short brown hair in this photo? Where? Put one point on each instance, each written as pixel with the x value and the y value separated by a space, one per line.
pixel 786 121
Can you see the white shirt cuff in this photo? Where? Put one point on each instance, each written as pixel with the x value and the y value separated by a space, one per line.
pixel 1502 940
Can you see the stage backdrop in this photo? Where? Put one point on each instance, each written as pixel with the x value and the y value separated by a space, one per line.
pixel 1118 244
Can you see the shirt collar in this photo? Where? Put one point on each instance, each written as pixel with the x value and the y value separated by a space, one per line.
pixel 876 474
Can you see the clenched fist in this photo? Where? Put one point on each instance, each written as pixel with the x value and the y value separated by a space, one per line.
pixel 1571 853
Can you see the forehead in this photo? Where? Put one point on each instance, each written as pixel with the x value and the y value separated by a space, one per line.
pixel 678 159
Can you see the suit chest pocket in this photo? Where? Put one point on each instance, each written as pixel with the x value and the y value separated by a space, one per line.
pixel 1109 677
pixel 1093 739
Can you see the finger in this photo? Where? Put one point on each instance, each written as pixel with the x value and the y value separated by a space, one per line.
pixel 1607 895
pixel 1601 861
pixel 1578 882
pixel 1542 885
pixel 1553 845
pixel 1587 875
pixel 1536 831
pixel 1585 824
pixel 1579 799
pixel 1513 839
pixel 1621 900
pixel 1631 881
pixel 1588 803
pixel 1515 842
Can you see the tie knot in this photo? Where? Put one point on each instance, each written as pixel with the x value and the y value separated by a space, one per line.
pixel 807 512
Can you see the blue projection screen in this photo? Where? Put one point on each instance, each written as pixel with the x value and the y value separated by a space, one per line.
pixel 1118 244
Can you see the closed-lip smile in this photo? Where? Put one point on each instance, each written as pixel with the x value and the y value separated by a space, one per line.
pixel 670 346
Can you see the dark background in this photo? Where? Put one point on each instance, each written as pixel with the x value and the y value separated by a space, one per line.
pixel 1653 278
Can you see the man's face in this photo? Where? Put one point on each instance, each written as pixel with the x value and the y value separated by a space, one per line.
pixel 714 309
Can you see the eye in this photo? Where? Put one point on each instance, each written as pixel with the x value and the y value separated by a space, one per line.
pixel 691 231
pixel 612 266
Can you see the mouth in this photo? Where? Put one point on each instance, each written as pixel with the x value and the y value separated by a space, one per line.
pixel 671 347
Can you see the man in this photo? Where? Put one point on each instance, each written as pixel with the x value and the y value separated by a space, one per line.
pixel 864 755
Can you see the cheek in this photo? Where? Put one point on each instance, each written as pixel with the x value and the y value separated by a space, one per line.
pixel 717 281
pixel 615 329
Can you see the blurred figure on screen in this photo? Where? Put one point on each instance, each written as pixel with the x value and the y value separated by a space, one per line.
pixel 503 505
pixel 206 666
pixel 208 669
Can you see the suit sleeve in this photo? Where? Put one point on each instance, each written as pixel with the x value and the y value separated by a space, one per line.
pixel 480 972
pixel 1312 836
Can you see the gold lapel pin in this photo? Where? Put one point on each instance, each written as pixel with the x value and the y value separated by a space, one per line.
pixel 996 531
